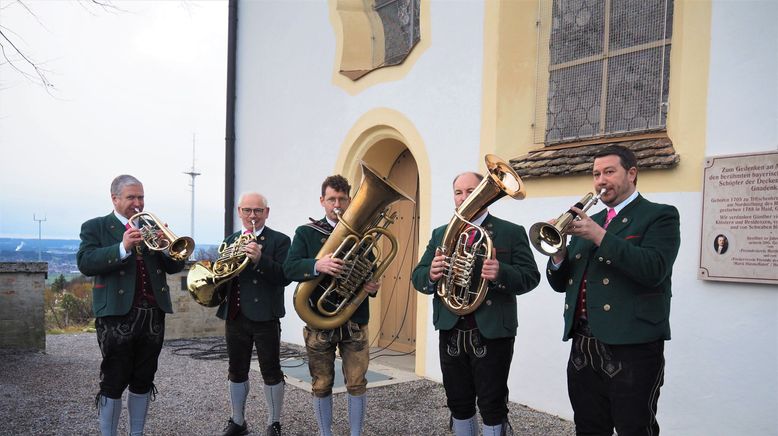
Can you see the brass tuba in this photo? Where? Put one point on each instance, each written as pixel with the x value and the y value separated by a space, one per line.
pixel 550 238
pixel 158 237
pixel 354 240
pixel 461 252
pixel 206 280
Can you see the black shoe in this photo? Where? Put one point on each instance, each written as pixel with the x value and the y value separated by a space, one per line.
pixel 233 429
pixel 274 429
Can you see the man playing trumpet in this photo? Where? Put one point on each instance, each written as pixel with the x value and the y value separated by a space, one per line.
pixel 476 349
pixel 130 298
pixel 616 275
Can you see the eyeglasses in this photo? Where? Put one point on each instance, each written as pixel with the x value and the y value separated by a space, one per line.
pixel 333 200
pixel 248 210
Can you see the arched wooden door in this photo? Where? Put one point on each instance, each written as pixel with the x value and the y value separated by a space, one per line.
pixel 398 297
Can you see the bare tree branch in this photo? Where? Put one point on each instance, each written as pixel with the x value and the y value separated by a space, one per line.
pixel 20 61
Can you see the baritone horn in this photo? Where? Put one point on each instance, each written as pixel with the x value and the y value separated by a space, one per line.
pixel 355 240
pixel 459 244
pixel 158 237
pixel 549 239
pixel 206 281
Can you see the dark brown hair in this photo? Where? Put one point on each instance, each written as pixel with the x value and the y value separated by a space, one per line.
pixel 336 182
pixel 626 157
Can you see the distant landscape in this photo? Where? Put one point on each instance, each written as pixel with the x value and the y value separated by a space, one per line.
pixel 59 253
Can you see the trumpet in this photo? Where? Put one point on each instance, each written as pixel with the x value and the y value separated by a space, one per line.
pixel 158 237
pixel 550 239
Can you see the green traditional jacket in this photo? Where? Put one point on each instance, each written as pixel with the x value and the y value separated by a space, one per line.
pixel 299 265
pixel 628 277
pixel 497 316
pixel 114 278
pixel 262 284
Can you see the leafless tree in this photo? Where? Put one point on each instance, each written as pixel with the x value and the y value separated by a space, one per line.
pixel 14 56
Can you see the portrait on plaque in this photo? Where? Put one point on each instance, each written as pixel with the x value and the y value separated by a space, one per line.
pixel 739 240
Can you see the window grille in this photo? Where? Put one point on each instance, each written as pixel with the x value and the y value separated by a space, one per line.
pixel 603 68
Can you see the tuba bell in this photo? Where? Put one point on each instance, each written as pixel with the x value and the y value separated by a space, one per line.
pixel 158 237
pixel 355 240
pixel 464 242
pixel 205 281
pixel 550 238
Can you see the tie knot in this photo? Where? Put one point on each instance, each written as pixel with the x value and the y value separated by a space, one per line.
pixel 246 232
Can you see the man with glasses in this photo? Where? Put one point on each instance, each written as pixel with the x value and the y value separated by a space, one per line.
pixel 252 309
pixel 351 339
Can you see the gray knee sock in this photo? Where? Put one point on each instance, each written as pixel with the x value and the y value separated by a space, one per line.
pixel 492 430
pixel 274 397
pixel 357 405
pixel 322 407
pixel 108 412
pixel 466 427
pixel 138 407
pixel 238 394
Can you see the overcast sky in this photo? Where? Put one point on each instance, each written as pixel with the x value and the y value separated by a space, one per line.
pixel 131 87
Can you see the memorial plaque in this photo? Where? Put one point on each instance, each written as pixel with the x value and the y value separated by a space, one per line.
pixel 739 238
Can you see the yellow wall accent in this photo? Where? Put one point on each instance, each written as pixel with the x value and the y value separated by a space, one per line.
pixel 381 75
pixel 378 138
pixel 509 71
pixel 361 48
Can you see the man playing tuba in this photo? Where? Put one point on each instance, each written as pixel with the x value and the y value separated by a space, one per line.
pixel 252 309
pixel 476 349
pixel 351 339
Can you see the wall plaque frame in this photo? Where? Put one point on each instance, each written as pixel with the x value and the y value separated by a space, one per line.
pixel 739 233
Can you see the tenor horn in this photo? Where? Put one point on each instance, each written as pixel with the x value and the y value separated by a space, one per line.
pixel 206 281
pixel 158 237
pixel 355 240
pixel 549 239
pixel 454 288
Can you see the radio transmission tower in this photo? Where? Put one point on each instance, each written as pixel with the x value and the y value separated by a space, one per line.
pixel 192 173
pixel 40 242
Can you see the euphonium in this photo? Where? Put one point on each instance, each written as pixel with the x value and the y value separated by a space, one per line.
pixel 206 280
pixel 459 246
pixel 355 240
pixel 549 239
pixel 158 237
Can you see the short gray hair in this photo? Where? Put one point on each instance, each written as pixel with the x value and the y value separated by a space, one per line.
pixel 120 182
pixel 262 198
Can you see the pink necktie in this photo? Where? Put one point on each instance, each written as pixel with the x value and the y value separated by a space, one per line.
pixel 609 217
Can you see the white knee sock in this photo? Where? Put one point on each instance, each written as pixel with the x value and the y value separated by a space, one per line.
pixel 138 407
pixel 466 427
pixel 357 405
pixel 238 394
pixel 274 398
pixel 322 407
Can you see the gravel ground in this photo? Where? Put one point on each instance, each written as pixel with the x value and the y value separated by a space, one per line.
pixel 53 394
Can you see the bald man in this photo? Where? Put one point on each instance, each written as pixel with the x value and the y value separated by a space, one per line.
pixel 476 349
pixel 252 310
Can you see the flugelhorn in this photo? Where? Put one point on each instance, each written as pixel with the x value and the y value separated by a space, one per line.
pixel 550 239
pixel 355 240
pixel 454 288
pixel 158 237
pixel 205 281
